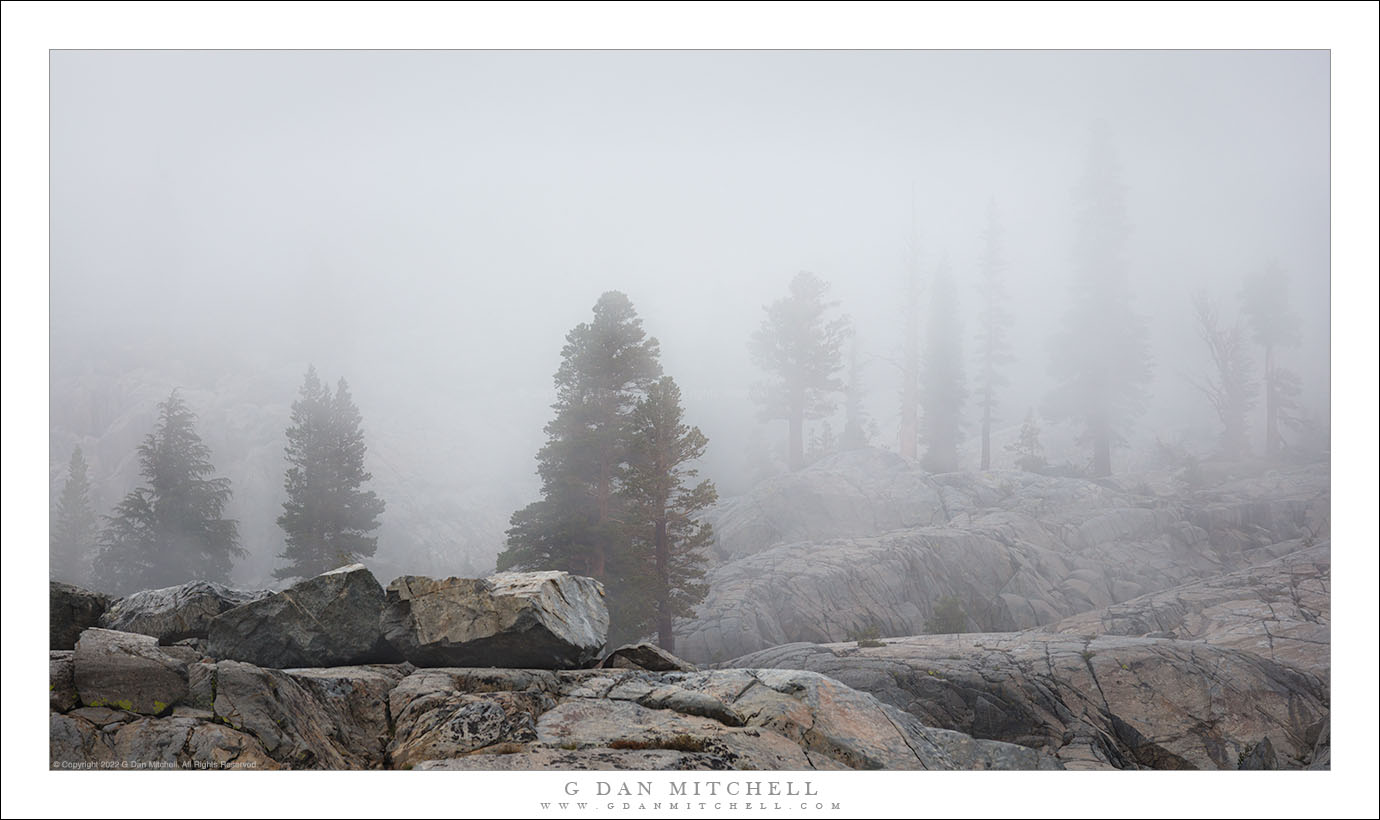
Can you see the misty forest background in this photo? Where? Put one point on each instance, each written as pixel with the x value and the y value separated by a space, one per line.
pixel 981 232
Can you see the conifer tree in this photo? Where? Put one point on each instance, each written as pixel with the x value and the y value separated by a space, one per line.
pixel 328 517
pixel 667 537
pixel 942 388
pixel 1101 361
pixel 172 530
pixel 606 367
pixel 801 350
pixel 1265 299
pixel 72 530
pixel 993 345
pixel 1231 388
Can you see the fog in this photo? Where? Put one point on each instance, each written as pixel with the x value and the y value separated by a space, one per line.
pixel 430 225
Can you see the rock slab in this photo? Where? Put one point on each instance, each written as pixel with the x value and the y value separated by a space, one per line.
pixel 175 613
pixel 71 610
pixel 329 620
pixel 537 620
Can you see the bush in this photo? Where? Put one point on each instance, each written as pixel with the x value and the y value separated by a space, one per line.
pixel 948 617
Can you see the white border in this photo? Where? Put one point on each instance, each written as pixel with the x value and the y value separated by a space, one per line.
pixel 1348 29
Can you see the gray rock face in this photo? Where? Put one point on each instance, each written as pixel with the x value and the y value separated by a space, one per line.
pixel 329 620
pixel 1017 550
pixel 539 620
pixel 62 690
pixel 71 610
pixel 646 656
pixel 127 671
pixel 1103 702
pixel 242 716
pixel 175 613
pixel 1280 609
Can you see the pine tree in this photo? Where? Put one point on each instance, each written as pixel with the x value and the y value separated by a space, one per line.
pixel 993 345
pixel 942 388
pixel 1101 358
pixel 172 530
pixel 801 349
pixel 1030 454
pixel 1265 300
pixel 858 428
pixel 668 538
pixel 72 532
pixel 1231 388
pixel 606 368
pixel 327 517
pixel 909 431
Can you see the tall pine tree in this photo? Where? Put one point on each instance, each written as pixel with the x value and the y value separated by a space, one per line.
pixel 942 390
pixel 1101 362
pixel 801 349
pixel 72 530
pixel 1265 299
pixel 328 516
pixel 668 539
pixel 1231 387
pixel 993 345
pixel 172 530
pixel 606 367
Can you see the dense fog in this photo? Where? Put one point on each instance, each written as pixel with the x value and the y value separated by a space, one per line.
pixel 429 226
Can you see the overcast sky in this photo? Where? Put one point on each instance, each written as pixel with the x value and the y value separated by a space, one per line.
pixel 431 224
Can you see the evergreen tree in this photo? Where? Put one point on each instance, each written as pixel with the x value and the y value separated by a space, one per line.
pixel 1231 388
pixel 668 538
pixel 72 530
pixel 801 349
pixel 172 530
pixel 1101 358
pixel 858 429
pixel 327 517
pixel 942 388
pixel 606 368
pixel 993 345
pixel 1265 299
pixel 1030 454
pixel 909 431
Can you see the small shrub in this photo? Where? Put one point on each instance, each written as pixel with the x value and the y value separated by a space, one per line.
pixel 869 643
pixel 948 617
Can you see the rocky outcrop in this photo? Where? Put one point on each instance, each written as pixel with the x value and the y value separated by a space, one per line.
pixel 175 613
pixel 329 620
pixel 1097 702
pixel 127 671
pixel 540 620
pixel 646 656
pixel 62 687
pixel 1280 609
pixel 236 715
pixel 71 610
pixel 1017 550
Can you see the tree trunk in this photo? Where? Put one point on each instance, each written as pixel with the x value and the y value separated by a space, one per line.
pixel 665 636
pixel 986 438
pixel 1102 454
pixel 598 555
pixel 796 444
pixel 1271 419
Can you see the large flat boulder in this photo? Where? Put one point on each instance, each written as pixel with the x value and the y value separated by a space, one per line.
pixel 538 620
pixel 329 620
pixel 177 613
pixel 1280 609
pixel 127 671
pixel 1092 702
pixel 71 610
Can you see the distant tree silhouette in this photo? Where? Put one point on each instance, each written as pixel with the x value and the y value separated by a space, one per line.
pixel 942 390
pixel 72 526
pixel 1101 362
pixel 801 348
pixel 328 516
pixel 1274 324
pixel 171 530
pixel 1231 388
pixel 993 343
